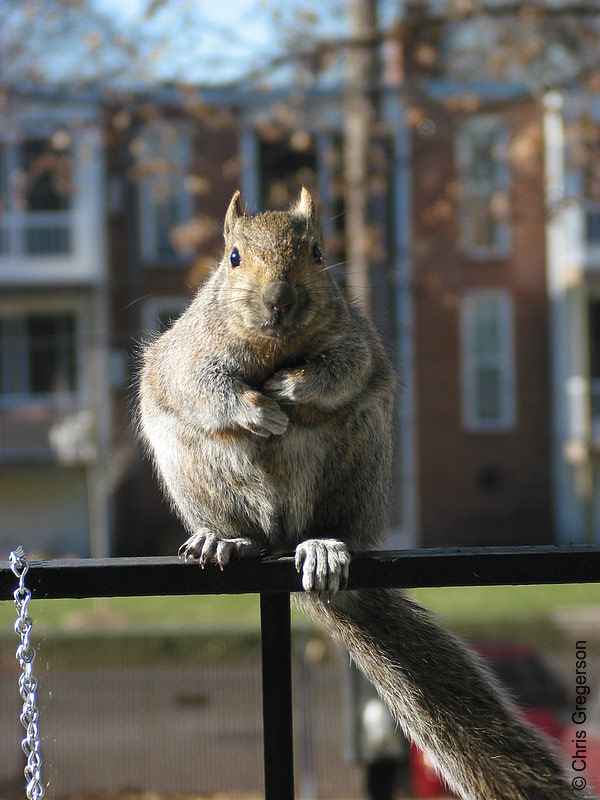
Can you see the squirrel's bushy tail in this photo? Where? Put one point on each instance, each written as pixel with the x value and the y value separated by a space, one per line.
pixel 443 697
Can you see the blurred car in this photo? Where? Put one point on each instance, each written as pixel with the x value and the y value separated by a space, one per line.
pixel 540 695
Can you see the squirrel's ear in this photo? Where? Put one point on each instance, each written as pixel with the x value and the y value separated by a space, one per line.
pixel 234 212
pixel 305 206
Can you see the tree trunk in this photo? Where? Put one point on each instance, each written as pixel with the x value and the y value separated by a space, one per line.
pixel 360 114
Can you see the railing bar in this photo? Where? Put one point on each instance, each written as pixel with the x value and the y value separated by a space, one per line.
pixel 122 577
pixel 276 639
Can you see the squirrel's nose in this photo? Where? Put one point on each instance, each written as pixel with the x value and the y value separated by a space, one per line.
pixel 279 296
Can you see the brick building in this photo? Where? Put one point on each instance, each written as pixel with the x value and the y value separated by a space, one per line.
pixel 481 327
pixel 462 275
pixel 487 302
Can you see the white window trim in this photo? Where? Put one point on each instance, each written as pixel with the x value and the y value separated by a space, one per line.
pixel 501 248
pixel 147 217
pixel 506 361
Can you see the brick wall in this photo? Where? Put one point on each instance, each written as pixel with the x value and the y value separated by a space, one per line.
pixel 480 488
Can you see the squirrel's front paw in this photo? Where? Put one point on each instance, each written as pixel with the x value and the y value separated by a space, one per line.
pixel 206 546
pixel 324 564
pixel 262 416
pixel 289 385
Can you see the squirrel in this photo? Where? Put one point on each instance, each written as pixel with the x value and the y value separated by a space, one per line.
pixel 267 409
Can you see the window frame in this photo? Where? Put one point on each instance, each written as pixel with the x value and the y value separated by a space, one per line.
pixel 18 220
pixel 503 360
pixel 471 127
pixel 182 156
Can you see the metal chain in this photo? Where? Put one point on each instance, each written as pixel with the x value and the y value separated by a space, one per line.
pixel 27 682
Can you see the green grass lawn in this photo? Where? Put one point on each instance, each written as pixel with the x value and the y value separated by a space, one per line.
pixel 209 610
pixel 471 605
pixel 477 603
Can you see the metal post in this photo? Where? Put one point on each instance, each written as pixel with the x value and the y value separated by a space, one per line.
pixel 277 696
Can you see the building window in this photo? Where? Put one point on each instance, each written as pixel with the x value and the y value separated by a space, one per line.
pixel 36 188
pixel 37 358
pixel 161 312
pixel 484 173
pixel 46 176
pixel 286 164
pixel 164 155
pixel 594 354
pixel 591 193
pixel 488 369
pixel 313 160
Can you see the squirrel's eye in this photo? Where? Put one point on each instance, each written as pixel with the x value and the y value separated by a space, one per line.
pixel 317 255
pixel 235 257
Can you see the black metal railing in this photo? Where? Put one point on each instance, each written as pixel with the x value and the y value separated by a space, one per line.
pixel 275 578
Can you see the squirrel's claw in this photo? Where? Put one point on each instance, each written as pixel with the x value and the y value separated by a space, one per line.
pixel 209 547
pixel 188 549
pixel 324 564
pixel 199 545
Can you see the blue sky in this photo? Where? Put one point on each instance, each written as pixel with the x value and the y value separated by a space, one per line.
pixel 197 41
pixel 216 41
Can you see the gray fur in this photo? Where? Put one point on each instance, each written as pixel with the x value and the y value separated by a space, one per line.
pixel 268 413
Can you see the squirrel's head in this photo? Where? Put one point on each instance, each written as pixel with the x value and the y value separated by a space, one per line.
pixel 276 282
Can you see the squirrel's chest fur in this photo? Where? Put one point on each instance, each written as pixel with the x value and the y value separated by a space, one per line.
pixel 237 482
pixel 280 479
